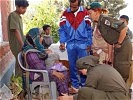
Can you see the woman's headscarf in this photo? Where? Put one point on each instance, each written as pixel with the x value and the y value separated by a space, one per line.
pixel 33 40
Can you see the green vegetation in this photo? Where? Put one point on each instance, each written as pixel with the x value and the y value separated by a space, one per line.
pixel 43 13
pixel 114 6
pixel 49 12
pixel 15 85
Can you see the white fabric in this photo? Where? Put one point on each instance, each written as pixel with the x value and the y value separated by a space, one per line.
pixel 55 48
pixel 76 12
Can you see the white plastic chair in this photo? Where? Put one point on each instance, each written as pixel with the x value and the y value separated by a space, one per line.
pixel 44 83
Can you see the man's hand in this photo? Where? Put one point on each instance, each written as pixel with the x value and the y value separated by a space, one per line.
pixel 88 48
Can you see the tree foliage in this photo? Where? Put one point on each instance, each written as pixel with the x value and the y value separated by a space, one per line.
pixel 114 6
pixel 49 12
pixel 43 13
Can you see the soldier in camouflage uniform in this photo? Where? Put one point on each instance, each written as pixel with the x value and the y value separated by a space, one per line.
pixel 103 82
pixel 114 32
pixel 125 19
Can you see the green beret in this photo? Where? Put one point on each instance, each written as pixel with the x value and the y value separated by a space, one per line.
pixel 94 5
pixel 87 62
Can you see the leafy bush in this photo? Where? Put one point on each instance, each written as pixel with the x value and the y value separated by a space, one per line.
pixel 15 85
pixel 43 13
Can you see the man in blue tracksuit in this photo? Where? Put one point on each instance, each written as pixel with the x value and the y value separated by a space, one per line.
pixel 75 30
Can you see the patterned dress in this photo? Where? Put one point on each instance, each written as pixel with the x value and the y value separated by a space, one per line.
pixel 35 62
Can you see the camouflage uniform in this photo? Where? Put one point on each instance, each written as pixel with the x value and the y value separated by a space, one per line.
pixel 103 81
pixel 110 30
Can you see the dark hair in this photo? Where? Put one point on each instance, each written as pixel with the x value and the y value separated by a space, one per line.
pixel 72 1
pixel 125 17
pixel 21 3
pixel 45 27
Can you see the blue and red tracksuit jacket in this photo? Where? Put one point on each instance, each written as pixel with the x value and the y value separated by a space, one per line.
pixel 75 28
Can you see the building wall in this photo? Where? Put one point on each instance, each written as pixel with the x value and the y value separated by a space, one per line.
pixel 5 10
pixel 1 36
pixel 7 63
pixel 7 60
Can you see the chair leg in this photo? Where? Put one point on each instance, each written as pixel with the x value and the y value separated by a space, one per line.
pixel 53 90
pixel 29 96
pixel 29 93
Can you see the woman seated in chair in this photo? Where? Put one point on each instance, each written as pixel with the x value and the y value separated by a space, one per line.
pixel 36 60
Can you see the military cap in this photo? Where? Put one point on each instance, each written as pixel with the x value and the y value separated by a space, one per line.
pixel 86 62
pixel 94 5
pixel 125 17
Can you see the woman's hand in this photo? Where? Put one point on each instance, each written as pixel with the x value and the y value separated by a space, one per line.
pixel 88 48
pixel 48 51
pixel 59 75
pixel 117 45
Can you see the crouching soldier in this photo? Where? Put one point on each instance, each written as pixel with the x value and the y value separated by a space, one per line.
pixel 103 81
